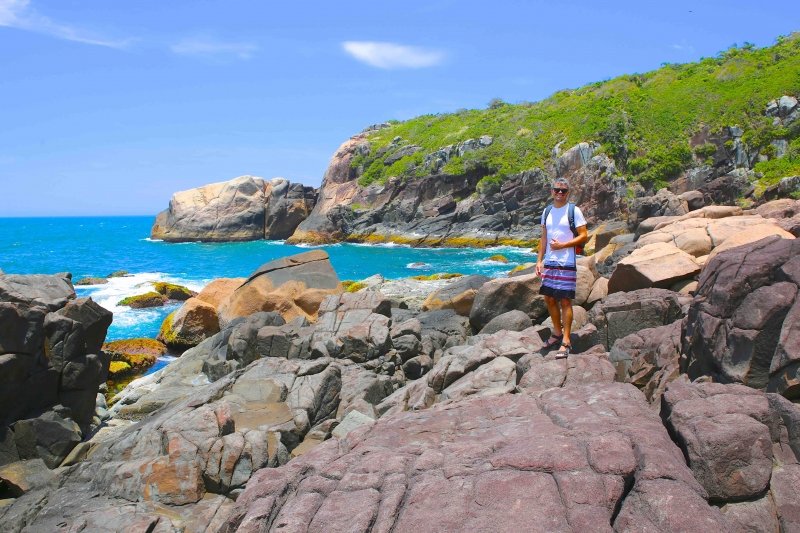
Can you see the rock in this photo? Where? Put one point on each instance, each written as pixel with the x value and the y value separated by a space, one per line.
pixel 91 281
pixel 352 421
pixel 663 204
pixel 608 230
pixel 462 368
pixel 729 434
pixel 49 437
pixel 52 292
pixel 219 290
pixel 649 359
pixel 140 354
pixel 657 265
pixel 192 323
pixel 623 313
pixel 200 446
pixel 509 321
pixel 562 462
pixel 173 291
pixel 361 385
pixel 294 286
pixel 458 295
pixel 441 329
pixel 542 373
pixel 501 295
pixel 354 326
pixel 741 324
pixel 94 319
pixel 243 209
pixel 598 292
pixel 143 301
pixel 438 209
pixel 694 200
pixel 22 476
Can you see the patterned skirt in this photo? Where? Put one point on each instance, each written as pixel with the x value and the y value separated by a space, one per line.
pixel 559 281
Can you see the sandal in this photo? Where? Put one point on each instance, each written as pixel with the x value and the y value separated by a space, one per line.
pixel 553 341
pixel 563 351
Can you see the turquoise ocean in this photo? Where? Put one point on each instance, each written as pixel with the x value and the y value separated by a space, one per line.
pixel 98 246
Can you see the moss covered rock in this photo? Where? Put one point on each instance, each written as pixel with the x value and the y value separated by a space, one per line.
pixel 498 258
pixel 91 281
pixel 194 322
pixel 173 291
pixel 141 301
pixel 140 354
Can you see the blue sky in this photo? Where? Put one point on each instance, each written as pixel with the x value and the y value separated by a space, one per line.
pixel 109 106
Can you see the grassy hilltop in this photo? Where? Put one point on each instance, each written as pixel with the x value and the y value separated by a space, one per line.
pixel 643 121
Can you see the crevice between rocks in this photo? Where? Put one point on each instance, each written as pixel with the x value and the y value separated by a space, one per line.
pixel 629 481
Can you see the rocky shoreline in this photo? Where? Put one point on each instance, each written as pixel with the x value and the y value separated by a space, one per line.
pixel 434 405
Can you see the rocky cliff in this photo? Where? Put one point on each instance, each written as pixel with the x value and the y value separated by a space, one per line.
pixel 441 209
pixel 244 209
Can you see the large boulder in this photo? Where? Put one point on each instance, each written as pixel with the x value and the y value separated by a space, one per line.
pixel 293 286
pixel 459 295
pixel 743 323
pixel 244 209
pixel 50 346
pixel 743 447
pixel 353 326
pixel 577 458
pixel 498 296
pixel 49 291
pixel 649 359
pixel 658 265
pixel 622 313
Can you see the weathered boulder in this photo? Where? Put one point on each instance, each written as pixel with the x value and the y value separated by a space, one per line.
pixel 466 370
pixel 144 301
pixel 459 295
pixel 742 446
pixel 173 291
pixel 743 323
pixel 353 326
pixel 243 209
pixel 623 313
pixel 577 458
pixel 207 443
pixel 537 373
pixel 501 295
pixel 49 437
pixel 663 203
pixel 442 329
pixel 50 349
pixel 192 323
pixel 20 477
pixel 657 265
pixel 649 359
pixel 294 286
pixel 50 291
pixel 510 321
pixel 785 212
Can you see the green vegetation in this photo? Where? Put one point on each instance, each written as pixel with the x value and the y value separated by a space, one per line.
pixel 149 299
pixel 355 286
pixel 775 169
pixel 173 291
pixel 643 121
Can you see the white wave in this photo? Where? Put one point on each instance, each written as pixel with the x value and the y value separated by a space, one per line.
pixel 148 239
pixel 418 265
pixel 275 242
pixel 109 294
pixel 379 245
pixel 167 358
pixel 492 262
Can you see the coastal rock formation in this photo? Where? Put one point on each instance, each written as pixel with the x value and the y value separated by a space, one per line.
pixel 458 295
pixel 743 447
pixel 294 286
pixel 446 210
pixel 743 324
pixel 244 209
pixel 579 458
pixel 51 366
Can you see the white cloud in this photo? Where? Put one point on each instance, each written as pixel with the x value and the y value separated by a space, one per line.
pixel 392 55
pixel 18 14
pixel 212 48
pixel 683 47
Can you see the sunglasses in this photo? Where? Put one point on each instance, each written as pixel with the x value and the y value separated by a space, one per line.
pixel 562 191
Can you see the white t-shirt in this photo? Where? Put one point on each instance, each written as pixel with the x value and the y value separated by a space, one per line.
pixel 557 225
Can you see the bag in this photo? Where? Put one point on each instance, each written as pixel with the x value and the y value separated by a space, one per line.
pixel 571 218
